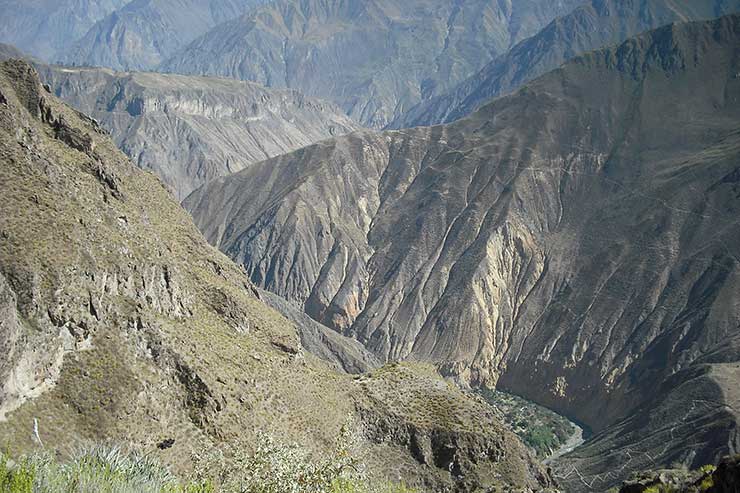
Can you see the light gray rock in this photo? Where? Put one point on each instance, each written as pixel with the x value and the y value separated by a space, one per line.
pixel 374 58
pixel 142 33
pixel 575 242
pixel 189 130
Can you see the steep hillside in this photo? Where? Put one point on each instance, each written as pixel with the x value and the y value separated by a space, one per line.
pixel 597 24
pixel 44 28
pixel 375 58
pixel 120 323
pixel 189 130
pixel 142 33
pixel 577 238
pixel 9 51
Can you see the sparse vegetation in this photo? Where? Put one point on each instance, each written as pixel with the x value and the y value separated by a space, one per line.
pixel 98 469
pixel 678 479
pixel 278 468
pixel 272 468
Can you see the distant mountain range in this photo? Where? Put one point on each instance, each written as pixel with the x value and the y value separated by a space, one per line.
pixel 190 130
pixel 375 58
pixel 120 324
pixel 596 24
pixel 575 238
pixel 45 28
pixel 141 34
pixel 538 196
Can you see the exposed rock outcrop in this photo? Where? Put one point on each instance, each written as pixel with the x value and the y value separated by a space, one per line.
pixel 189 130
pixel 120 323
pixel 577 238
pixel 725 478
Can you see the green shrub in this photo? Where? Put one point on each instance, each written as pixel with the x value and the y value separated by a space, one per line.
pixel 96 470
pixel 273 468
pixel 279 468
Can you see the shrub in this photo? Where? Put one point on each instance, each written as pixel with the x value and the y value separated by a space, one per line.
pixel 279 468
pixel 98 469
pixel 272 468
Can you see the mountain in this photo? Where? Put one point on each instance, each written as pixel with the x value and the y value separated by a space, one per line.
pixel 142 33
pixel 597 24
pixel 45 27
pixel 574 243
pixel 375 58
pixel 121 324
pixel 9 51
pixel 189 130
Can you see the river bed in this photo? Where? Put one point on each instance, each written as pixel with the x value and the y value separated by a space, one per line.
pixel 549 434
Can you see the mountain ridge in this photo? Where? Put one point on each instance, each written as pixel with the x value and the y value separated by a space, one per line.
pixel 43 28
pixel 333 49
pixel 554 257
pixel 122 324
pixel 190 129
pixel 596 24
pixel 140 34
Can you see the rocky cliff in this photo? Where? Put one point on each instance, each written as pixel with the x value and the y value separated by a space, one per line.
pixel 142 33
pixel 374 58
pixel 577 238
pixel 595 25
pixel 189 130
pixel 120 323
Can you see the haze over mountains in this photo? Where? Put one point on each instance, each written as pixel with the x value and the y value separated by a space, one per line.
pixel 576 238
pixel 44 28
pixel 567 231
pixel 144 32
pixel 596 24
pixel 374 58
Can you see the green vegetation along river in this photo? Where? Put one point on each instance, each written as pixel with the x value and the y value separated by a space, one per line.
pixel 547 433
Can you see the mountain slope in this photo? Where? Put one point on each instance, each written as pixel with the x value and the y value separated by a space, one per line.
pixel 9 51
pixel 376 58
pixel 577 238
pixel 142 33
pixel 121 324
pixel 189 130
pixel 44 28
pixel 595 25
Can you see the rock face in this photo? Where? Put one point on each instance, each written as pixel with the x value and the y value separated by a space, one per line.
pixel 725 478
pixel 374 58
pixel 595 25
pixel 577 238
pixel 142 33
pixel 45 28
pixel 119 323
pixel 189 130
